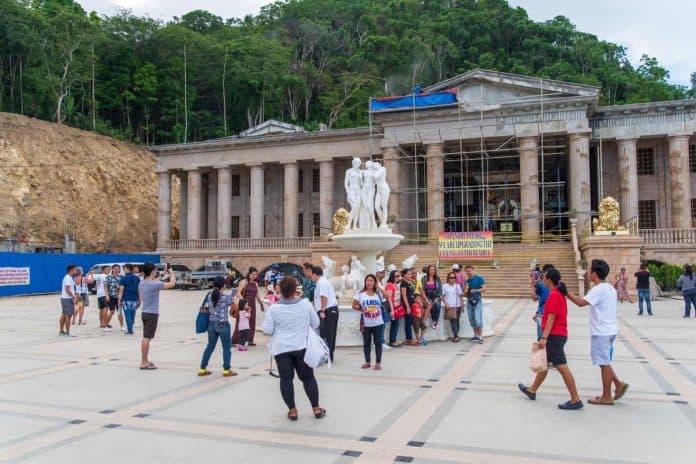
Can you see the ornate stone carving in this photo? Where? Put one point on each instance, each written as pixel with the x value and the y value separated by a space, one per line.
pixel 608 219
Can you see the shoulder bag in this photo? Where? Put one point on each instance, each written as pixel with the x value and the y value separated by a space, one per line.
pixel 317 352
pixel 203 318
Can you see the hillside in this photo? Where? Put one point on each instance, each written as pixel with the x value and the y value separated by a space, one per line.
pixel 54 177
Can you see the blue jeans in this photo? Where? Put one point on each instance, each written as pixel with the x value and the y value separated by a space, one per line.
pixel 475 314
pixel 540 331
pixel 644 295
pixel 218 330
pixel 435 311
pixel 129 309
pixel 393 330
pixel 689 299
pixel 408 326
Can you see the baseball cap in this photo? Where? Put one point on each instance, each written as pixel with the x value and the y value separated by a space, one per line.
pixel 455 267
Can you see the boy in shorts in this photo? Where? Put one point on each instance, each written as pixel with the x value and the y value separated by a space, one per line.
pixel 102 292
pixel 603 327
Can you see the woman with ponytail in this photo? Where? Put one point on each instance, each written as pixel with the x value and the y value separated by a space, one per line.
pixel 219 305
pixel 555 334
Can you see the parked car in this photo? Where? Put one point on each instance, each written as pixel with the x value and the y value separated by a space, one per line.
pixel 97 268
pixel 204 276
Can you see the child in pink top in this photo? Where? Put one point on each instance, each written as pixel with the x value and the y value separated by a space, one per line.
pixel 244 315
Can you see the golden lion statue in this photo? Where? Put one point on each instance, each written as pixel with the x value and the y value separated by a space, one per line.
pixel 608 219
pixel 340 221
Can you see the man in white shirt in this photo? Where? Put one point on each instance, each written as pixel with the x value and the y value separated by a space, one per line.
pixel 68 300
pixel 603 327
pixel 326 305
pixel 102 302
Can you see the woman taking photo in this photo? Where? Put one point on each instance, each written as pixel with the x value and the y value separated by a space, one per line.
pixel 249 290
pixel 288 321
pixel 369 302
pixel 219 306
pixel 432 288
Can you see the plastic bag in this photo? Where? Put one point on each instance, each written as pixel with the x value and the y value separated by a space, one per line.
pixel 537 361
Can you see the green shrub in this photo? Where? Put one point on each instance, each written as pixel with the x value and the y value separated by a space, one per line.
pixel 666 275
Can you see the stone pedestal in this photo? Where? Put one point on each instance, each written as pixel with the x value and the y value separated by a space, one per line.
pixel 618 251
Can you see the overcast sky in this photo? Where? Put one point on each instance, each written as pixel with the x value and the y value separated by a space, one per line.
pixel 658 28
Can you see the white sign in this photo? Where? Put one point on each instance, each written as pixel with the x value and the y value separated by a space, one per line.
pixel 14 276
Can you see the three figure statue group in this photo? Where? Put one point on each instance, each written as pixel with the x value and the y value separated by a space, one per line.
pixel 367 192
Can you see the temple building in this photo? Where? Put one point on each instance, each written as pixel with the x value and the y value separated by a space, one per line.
pixel 484 150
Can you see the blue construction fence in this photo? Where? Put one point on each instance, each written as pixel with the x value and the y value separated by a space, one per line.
pixel 46 271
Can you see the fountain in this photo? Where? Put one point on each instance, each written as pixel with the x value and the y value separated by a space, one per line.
pixel 367 232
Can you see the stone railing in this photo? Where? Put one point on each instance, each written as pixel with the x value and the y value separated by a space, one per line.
pixel 242 244
pixel 668 236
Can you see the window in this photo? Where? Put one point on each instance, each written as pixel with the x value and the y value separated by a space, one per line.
pixel 235 227
pixel 646 162
pixel 300 181
pixel 693 212
pixel 692 159
pixel 300 225
pixel 316 228
pixel 647 214
pixel 315 180
pixel 236 185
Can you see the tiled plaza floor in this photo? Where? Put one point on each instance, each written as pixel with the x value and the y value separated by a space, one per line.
pixel 83 399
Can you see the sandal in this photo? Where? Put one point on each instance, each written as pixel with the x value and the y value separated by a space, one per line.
pixel 597 400
pixel 149 367
pixel 378 367
pixel 319 412
pixel 620 392
pixel 365 366
pixel 292 414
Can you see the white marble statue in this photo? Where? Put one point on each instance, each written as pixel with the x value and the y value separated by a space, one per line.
pixel 329 267
pixel 367 205
pixel 409 262
pixel 356 276
pixel 353 186
pixel 381 194
pixel 379 264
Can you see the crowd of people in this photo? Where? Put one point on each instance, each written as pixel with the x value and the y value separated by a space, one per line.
pixel 401 297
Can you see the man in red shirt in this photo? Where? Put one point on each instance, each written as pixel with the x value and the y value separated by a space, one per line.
pixel 555 325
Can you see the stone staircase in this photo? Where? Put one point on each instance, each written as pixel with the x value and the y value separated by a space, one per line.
pixel 511 277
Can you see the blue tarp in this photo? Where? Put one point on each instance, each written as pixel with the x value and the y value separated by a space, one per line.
pixel 415 100
pixel 46 271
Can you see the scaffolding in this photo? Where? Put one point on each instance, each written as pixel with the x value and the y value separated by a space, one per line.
pixel 482 184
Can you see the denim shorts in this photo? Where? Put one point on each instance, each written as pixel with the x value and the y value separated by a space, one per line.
pixel 602 349
pixel 475 314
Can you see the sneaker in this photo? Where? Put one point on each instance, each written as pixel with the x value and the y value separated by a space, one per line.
pixel 639 314
pixel 106 329
pixel 242 348
pixel 650 314
pixel 68 334
pixel 123 329
pixel 228 373
pixel 423 341
pixel 386 346
pixel 480 340
pixel 108 326
pixel 455 340
pixel 473 339
pixel 61 333
pixel 203 372
pixel 570 406
pixel 435 325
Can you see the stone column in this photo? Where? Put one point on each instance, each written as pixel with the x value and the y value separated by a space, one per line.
pixel 164 209
pixel 193 227
pixel 212 204
pixel 224 202
pixel 326 195
pixel 390 155
pixel 680 181
pixel 256 206
pixel 529 187
pixel 435 179
pixel 626 150
pixel 183 204
pixel 579 178
pixel 290 206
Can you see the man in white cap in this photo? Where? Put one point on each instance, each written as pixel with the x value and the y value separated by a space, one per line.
pixel 458 274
